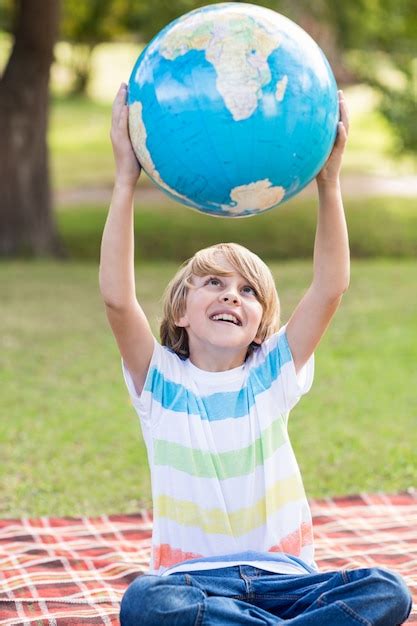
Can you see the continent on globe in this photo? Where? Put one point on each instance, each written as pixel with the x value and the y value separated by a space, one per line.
pixel 233 109
pixel 238 50
pixel 138 136
pixel 260 195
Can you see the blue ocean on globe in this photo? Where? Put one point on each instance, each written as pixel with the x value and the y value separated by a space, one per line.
pixel 233 109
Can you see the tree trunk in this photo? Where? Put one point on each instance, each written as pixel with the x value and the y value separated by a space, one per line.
pixel 80 66
pixel 26 221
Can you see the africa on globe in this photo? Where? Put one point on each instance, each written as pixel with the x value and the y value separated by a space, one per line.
pixel 233 109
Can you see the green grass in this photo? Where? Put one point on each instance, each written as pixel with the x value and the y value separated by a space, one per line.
pixel 80 143
pixel 70 441
pixel 384 226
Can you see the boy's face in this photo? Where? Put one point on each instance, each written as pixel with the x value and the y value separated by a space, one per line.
pixel 213 298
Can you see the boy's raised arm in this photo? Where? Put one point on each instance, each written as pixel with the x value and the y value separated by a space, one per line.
pixel 117 276
pixel 331 257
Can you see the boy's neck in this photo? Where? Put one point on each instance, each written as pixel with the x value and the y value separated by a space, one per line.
pixel 220 361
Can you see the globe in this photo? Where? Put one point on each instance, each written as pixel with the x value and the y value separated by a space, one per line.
pixel 233 109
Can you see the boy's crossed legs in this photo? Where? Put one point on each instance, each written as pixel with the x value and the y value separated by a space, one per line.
pixel 245 595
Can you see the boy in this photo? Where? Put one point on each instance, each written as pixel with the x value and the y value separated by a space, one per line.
pixel 232 539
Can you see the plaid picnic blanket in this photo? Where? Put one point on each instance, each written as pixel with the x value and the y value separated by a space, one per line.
pixel 56 571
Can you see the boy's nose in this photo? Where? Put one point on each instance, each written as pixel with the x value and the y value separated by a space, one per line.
pixel 230 297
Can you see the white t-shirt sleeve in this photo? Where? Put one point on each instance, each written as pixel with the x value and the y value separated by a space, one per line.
pixel 298 383
pixel 162 363
pixel 291 385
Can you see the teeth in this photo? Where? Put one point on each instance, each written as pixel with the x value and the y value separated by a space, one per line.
pixel 225 317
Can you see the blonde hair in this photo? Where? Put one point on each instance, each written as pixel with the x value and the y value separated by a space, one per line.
pixel 203 263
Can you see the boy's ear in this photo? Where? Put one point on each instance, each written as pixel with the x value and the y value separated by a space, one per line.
pixel 182 322
pixel 257 339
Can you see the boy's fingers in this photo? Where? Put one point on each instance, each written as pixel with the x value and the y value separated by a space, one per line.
pixel 121 94
pixel 120 98
pixel 341 137
pixel 117 106
pixel 123 116
pixel 342 131
pixel 344 115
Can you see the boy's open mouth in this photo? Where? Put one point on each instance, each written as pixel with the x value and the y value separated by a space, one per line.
pixel 226 317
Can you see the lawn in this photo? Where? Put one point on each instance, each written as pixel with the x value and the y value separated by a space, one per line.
pixel 378 227
pixel 71 442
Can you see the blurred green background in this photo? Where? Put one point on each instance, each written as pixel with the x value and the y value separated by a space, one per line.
pixel 70 441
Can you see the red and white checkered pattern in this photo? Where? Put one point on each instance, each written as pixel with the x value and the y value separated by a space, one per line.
pixel 56 571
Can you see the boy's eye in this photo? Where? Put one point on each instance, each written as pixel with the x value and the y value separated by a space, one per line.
pixel 213 281
pixel 247 289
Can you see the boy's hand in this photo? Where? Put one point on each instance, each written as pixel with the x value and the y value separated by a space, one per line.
pixel 127 166
pixel 331 170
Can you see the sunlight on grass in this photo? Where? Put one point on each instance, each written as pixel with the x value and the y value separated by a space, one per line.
pixel 80 143
pixel 113 64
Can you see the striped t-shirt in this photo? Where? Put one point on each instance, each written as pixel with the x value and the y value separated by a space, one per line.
pixel 226 486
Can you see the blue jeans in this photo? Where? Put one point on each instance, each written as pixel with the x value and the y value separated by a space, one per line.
pixel 246 595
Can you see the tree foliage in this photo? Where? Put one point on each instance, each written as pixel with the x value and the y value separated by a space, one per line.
pixel 381 36
pixel 86 24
